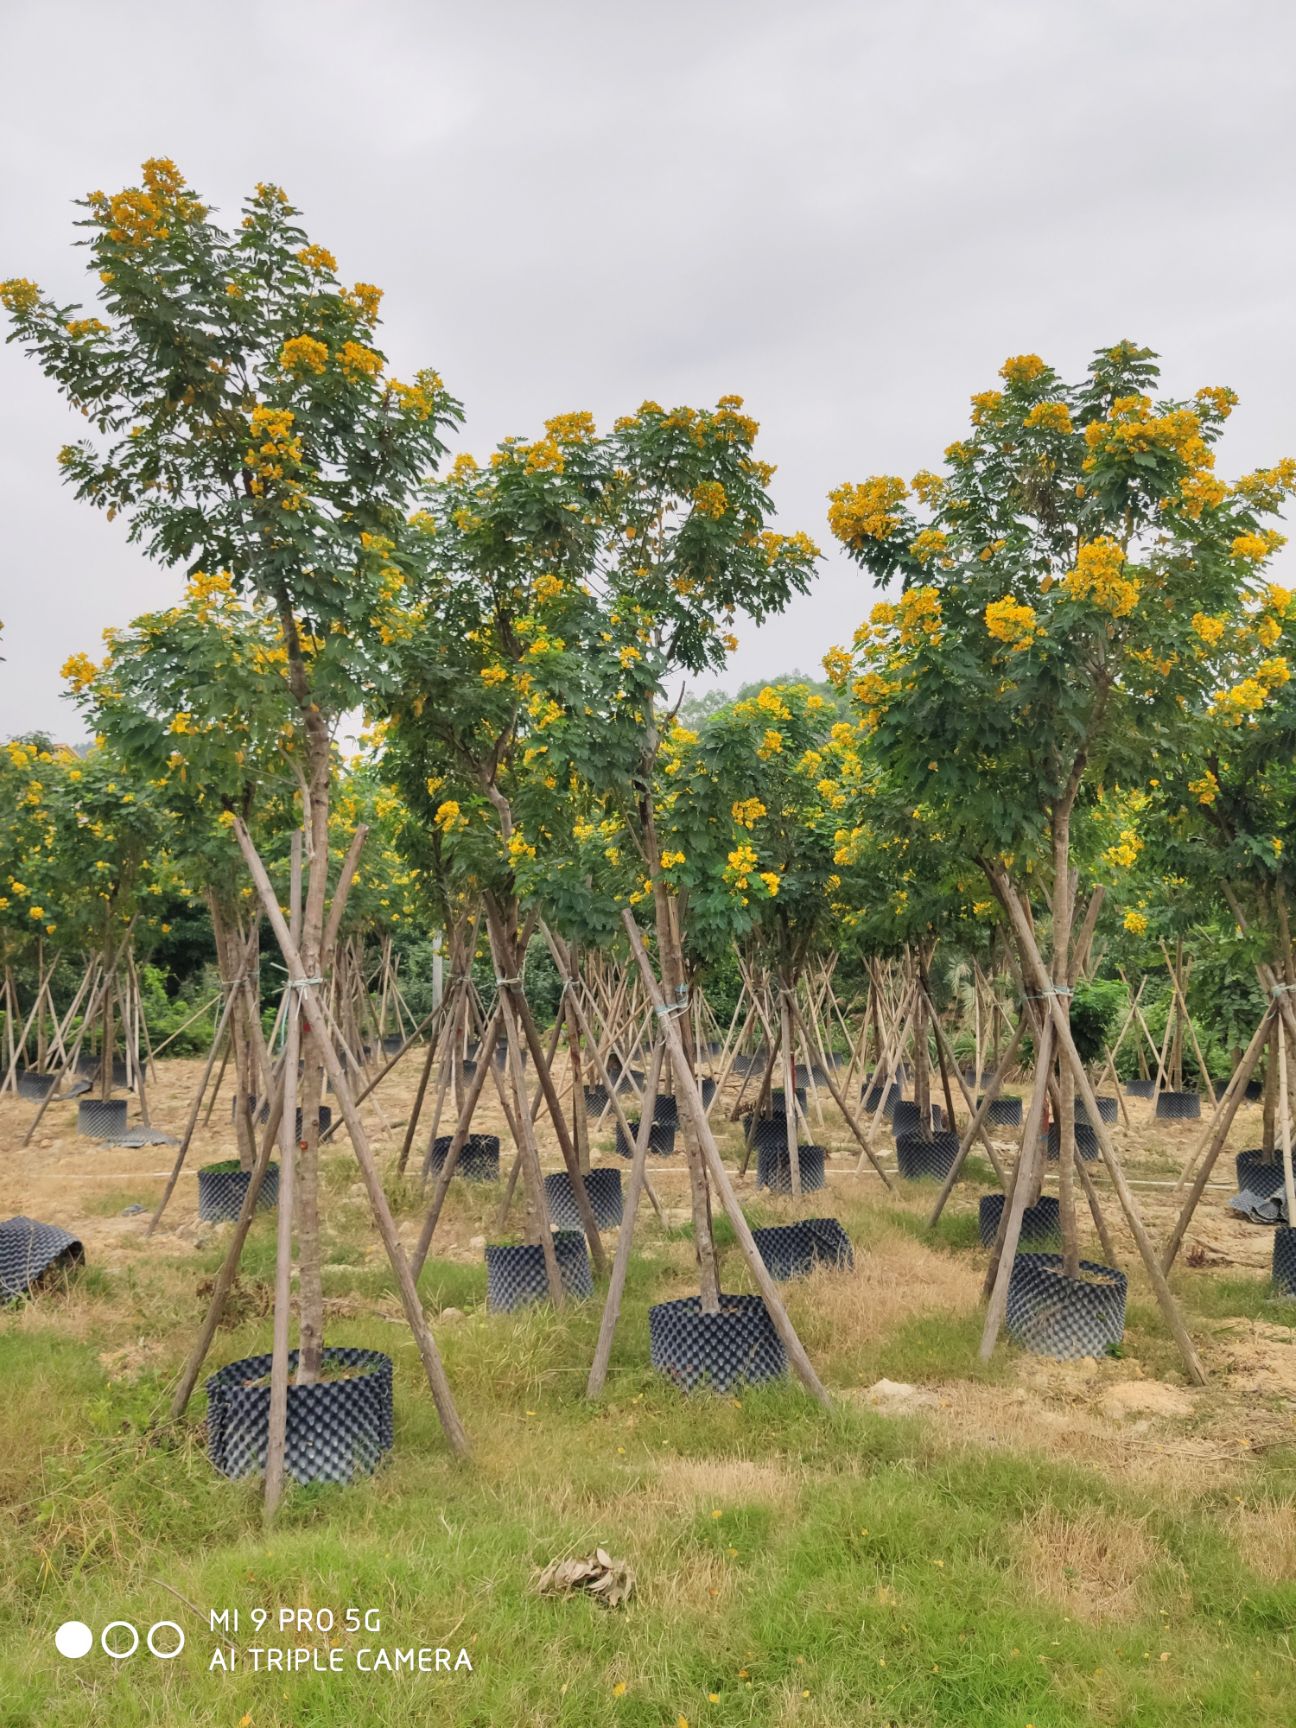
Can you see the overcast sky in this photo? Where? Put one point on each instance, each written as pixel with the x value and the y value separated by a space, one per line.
pixel 847 211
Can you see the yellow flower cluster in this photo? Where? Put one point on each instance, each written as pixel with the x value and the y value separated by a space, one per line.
pixel 837 667
pixel 448 816
pixel 867 511
pixel 747 812
pixel 575 428
pixel 927 487
pixel 775 546
pixel 930 543
pixel 317 258
pixel 919 615
pixel 1208 628
pixel 1205 788
pixel 711 499
pixel 1022 369
pixel 770 702
pixel 742 863
pixel 304 354
pixel 672 860
pixel 357 361
pixel 984 404
pixel 276 450
pixel 1255 548
pixel 1011 621
pixel 1124 854
pixel 418 399
pixel 1049 417
pixel 1136 923
pixel 1132 429
pixel 772 881
pixel 19 296
pixel 770 745
pixel 1099 576
pixel 79 670
pixel 1217 399
pixel 1233 705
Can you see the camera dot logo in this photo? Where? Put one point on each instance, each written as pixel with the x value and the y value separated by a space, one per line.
pixel 73 1639
pixel 120 1640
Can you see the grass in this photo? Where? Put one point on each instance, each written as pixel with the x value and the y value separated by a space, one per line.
pixel 793 1566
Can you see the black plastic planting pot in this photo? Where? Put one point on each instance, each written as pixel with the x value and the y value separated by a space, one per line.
pixel 325 1119
pixel 1108 1110
pixel 666 1109
pixel 1256 1177
pixel 392 1043
pixel 1179 1106
pixel 778 1099
pixel 1139 1088
pixel 1253 1091
pixel 879 1097
pixel 707 1086
pixel 338 1428
pixel 30 1251
pixel 1085 1137
pixel 478 1158
pixel 738 1345
pixel 34 1085
pixel 1284 1260
pixel 929 1156
pixel 222 1188
pixel 1041 1225
pixel 661 1139
pixel 596 1100
pixel 774 1168
pixel 603 1190
pixel 101 1118
pixel 1052 1315
pixel 1004 1112
pixel 515 1271
pixel 905 1118
pixel 750 1064
pixel 89 1065
pixel 792 1250
pixel 765 1130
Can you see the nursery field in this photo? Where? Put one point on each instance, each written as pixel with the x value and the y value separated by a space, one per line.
pixel 1019 1542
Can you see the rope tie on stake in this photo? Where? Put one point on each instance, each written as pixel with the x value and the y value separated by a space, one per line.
pixel 1280 989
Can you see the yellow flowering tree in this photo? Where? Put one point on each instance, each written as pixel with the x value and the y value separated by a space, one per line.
pixel 242 418
pixel 1050 575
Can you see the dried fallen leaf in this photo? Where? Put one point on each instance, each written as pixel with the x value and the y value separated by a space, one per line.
pixel 609 1581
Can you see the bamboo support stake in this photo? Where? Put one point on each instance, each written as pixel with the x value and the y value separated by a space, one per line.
pixel 687 1089
pixel 315 1009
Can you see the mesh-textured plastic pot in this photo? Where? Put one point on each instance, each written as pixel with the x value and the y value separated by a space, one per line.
pixel 876 1096
pixel 666 1109
pixel 1284 1260
pixel 626 1079
pixel 926 1156
pixel 1139 1088
pixel 1086 1140
pixel 1253 1091
pixel 338 1428
pixel 602 1189
pixel 1004 1112
pixel 515 1271
pixel 478 1159
pixel 774 1168
pixel 101 1118
pixel 1179 1106
pixel 750 1064
pixel 1256 1177
pixel 661 1139
pixel 596 1100
pixel 765 1131
pixel 222 1187
pixel 29 1251
pixel 1052 1315
pixel 251 1107
pixel 778 1099
pixel 392 1043
pixel 1041 1225
pixel 736 1346
pixel 707 1087
pixel 906 1119
pixel 792 1250
pixel 1108 1110
pixel 89 1066
pixel 325 1119
pixel 34 1085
